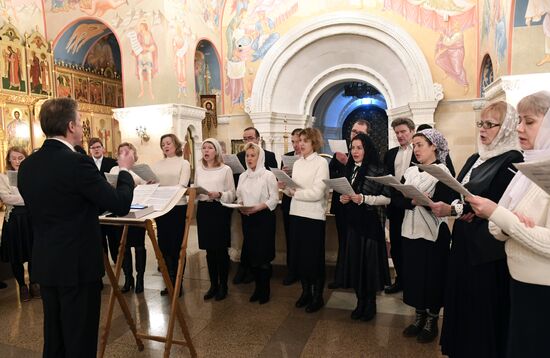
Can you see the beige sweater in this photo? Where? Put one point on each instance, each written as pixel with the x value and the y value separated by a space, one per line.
pixel 527 249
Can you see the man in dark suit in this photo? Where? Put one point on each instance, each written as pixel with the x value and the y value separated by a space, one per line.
pixel 396 161
pixel 337 168
pixel 250 135
pixel 290 277
pixel 110 235
pixel 64 192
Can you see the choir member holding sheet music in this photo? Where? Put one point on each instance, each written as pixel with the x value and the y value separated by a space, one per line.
pixel 17 236
pixel 477 299
pixel 426 238
pixel 307 220
pixel 258 192
pixel 135 238
pixel 365 263
pixel 172 170
pixel 290 277
pixel 250 135
pixel 522 220
pixel 337 168
pixel 213 219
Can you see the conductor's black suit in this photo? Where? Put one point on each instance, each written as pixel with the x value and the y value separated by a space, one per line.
pixel 64 192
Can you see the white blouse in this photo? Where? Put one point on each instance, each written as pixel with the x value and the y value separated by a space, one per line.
pixel 420 223
pixel 257 189
pixel 173 171
pixel 9 195
pixel 216 179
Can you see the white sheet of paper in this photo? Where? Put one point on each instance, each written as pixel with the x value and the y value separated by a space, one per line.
pixel 340 185
pixel 200 190
pixel 284 178
pixel 162 196
pixel 411 192
pixel 233 162
pixel 145 172
pixel 338 145
pixel 235 205
pixel 386 180
pixel 111 178
pixel 142 193
pixel 12 177
pixel 289 160
pixel 538 172
pixel 445 178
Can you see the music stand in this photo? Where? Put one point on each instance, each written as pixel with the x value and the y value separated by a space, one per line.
pixel 175 310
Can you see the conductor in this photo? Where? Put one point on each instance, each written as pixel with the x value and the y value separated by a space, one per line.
pixel 64 192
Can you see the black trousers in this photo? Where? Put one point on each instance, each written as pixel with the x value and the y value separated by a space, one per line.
pixel 285 207
pixel 110 238
pixel 396 241
pixel 71 320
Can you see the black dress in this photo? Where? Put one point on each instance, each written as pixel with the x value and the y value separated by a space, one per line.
pixel 477 300
pixel 213 225
pixel 17 237
pixel 259 238
pixel 365 263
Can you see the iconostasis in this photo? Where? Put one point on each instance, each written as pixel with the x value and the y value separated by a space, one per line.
pixel 29 76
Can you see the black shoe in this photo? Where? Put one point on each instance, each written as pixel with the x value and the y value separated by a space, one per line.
pixel 211 293
pixel 165 292
pixel 128 284
pixel 306 296
pixel 239 276
pixel 395 288
pixel 370 310
pixel 139 283
pixel 429 331
pixel 333 285
pixel 289 279
pixel 416 327
pixel 358 311
pixel 222 293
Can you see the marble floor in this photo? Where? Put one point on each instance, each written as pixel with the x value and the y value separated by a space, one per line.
pixel 232 327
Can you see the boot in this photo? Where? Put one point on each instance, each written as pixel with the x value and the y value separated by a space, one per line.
pixel 358 311
pixel 370 308
pixel 306 296
pixel 141 259
pixel 127 268
pixel 430 330
pixel 414 329
pixel 317 301
pixel 265 289
pixel 257 279
pixel 213 273
pixel 223 273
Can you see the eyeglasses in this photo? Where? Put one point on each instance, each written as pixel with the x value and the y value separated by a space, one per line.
pixel 487 124
pixel 249 139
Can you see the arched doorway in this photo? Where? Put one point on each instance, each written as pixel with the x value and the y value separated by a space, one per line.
pixel 378 125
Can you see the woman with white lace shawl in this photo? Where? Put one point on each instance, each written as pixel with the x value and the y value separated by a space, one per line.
pixel 477 301
pixel 426 238
pixel 522 220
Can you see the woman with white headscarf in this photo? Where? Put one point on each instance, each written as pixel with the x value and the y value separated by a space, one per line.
pixel 522 220
pixel 426 238
pixel 258 192
pixel 477 302
pixel 213 219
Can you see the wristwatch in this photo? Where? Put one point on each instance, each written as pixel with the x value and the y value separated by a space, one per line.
pixel 453 210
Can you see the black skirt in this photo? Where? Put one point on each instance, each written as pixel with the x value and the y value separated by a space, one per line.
pixel 528 334
pixel 365 266
pixel 258 238
pixel 477 306
pixel 425 270
pixel 308 248
pixel 17 237
pixel 213 225
pixel 136 236
pixel 170 229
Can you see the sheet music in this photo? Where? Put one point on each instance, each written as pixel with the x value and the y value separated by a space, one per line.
pixel 200 190
pixel 338 145
pixel 386 180
pixel 233 162
pixel 145 172
pixel 162 196
pixel 538 172
pixel 111 179
pixel 235 206
pixel 134 43
pixel 340 185
pixel 289 160
pixel 12 177
pixel 284 178
pixel 142 193
pixel 411 192
pixel 445 178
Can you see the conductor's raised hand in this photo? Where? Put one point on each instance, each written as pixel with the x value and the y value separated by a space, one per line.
pixel 126 158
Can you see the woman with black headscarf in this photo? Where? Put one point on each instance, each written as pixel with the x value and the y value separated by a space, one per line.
pixel 365 262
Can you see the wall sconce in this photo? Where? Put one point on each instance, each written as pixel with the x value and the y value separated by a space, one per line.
pixel 141 132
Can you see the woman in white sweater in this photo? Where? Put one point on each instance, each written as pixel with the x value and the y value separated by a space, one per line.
pixel 258 192
pixel 522 220
pixel 307 220
pixel 213 219
pixel 172 170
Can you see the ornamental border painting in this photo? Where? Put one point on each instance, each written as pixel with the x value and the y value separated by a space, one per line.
pixel 40 66
pixel 12 61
